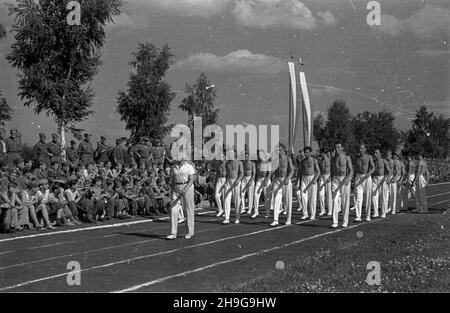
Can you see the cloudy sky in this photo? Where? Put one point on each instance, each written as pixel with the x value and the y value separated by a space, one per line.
pixel 243 46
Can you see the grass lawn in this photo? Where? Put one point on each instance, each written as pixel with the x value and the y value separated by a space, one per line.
pixel 414 256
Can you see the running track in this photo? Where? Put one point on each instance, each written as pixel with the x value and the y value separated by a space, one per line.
pixel 134 256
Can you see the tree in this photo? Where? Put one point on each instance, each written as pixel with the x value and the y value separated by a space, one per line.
pixel 319 129
pixel 5 109
pixel 338 127
pixel 57 61
pixel 199 101
pixel 145 106
pixel 376 130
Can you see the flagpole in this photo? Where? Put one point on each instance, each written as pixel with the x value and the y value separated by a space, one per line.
pixel 303 108
pixel 290 114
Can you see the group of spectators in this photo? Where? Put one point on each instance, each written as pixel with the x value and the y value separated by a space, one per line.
pixel 87 185
pixel 439 171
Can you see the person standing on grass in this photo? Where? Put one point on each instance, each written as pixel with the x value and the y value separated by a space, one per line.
pixel 182 183
pixel 398 173
pixel 364 168
pixel 341 173
pixel 282 177
pixel 219 185
pixel 389 183
pixel 421 182
pixel 263 173
pixel 380 175
pixel 325 198
pixel 234 172
pixel 308 175
pixel 411 169
pixel 248 183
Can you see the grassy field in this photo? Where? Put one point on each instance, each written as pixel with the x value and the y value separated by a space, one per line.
pixel 413 257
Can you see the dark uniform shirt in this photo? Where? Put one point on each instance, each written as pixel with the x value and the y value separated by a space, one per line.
pixel 101 154
pixel 55 149
pixel 72 155
pixel 13 145
pixel 117 154
pixel 41 153
pixel 86 151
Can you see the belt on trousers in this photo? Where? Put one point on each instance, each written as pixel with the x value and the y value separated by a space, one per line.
pixel 181 183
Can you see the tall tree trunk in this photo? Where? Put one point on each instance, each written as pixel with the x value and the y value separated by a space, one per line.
pixel 62 134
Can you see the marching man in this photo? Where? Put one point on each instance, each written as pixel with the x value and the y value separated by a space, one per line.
pixel 379 188
pixel 234 172
pixel 281 177
pixel 307 178
pixel 248 184
pixel 341 172
pixel 263 172
pixel 364 168
pixel 398 173
pixel 182 181
pixel 325 198
pixel 421 182
pixel 220 185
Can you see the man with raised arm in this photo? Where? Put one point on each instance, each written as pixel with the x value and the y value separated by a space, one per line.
pixel 308 176
pixel 364 168
pixel 234 172
pixel 263 172
pixel 341 173
pixel 281 177
pixel 379 176
pixel 248 183
pixel 421 182
pixel 325 198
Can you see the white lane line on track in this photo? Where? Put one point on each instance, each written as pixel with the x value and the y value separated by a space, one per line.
pixel 439 202
pixel 49 245
pixel 89 228
pixel 150 255
pixel 243 257
pixel 93 250
pixel 6 252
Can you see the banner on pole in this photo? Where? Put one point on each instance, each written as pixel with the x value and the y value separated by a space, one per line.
pixel 307 128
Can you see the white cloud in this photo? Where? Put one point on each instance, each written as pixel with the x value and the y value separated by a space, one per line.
pixel 430 21
pixel 129 21
pixel 285 14
pixel 240 61
pixel 202 8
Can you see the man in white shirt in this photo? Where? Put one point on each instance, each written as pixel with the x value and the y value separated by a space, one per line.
pixel 183 176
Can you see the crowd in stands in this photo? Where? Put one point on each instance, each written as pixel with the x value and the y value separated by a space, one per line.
pixel 87 185
pixel 439 171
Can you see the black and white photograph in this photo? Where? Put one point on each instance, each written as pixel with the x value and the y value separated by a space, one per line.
pixel 224 152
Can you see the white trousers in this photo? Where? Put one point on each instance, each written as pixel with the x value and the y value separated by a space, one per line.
pixel 421 197
pixel 377 190
pixel 219 192
pixel 186 204
pixel 392 204
pixel 235 194
pixel 277 198
pixel 250 191
pixel 341 199
pixel 325 198
pixel 258 194
pixel 363 195
pixel 308 198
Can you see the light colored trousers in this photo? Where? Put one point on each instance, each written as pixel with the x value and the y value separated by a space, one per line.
pixel 277 198
pixel 250 191
pixel 392 204
pixel 325 198
pixel 219 192
pixel 258 195
pixel 341 199
pixel 377 193
pixel 308 198
pixel 235 194
pixel 287 197
pixel 186 204
pixel 421 197
pixel 405 193
pixel 363 192
pixel 385 194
